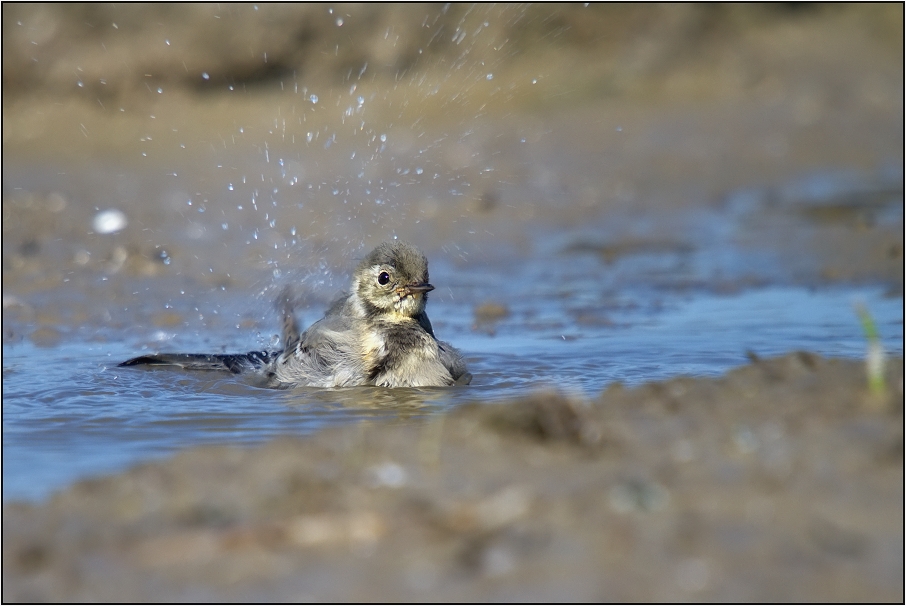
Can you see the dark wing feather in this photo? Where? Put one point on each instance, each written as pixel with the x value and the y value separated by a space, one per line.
pixel 234 363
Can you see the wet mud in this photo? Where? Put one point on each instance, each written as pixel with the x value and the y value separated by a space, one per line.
pixel 782 480
pixel 169 170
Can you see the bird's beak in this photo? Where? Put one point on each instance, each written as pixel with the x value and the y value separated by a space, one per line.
pixel 411 289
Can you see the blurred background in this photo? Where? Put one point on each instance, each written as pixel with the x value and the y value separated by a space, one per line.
pixel 251 127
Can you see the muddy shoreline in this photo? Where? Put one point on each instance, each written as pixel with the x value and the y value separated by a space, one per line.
pixel 781 481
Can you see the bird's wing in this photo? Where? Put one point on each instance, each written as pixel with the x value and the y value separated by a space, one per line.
pixel 326 355
pixel 453 360
pixel 286 305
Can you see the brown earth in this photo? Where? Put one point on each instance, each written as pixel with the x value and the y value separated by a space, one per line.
pixel 782 481
pixel 708 101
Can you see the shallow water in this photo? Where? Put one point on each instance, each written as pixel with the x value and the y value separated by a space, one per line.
pixel 86 416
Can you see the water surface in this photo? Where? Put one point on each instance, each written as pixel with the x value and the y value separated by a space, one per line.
pixel 69 412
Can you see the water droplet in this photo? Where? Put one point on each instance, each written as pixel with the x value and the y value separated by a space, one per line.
pixel 230 187
pixel 313 98
pixel 339 21
pixel 168 42
pixel 225 226
pixel 490 76
pixel 383 138
pixel 419 170
pixel 619 129
pixel 205 75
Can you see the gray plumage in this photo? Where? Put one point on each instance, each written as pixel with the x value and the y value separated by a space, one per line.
pixel 378 334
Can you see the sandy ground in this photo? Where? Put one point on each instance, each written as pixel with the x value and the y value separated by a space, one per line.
pixel 782 481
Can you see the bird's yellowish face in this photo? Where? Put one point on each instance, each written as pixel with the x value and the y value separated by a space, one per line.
pixel 393 290
pixel 392 281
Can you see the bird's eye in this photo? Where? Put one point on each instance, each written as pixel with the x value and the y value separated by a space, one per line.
pixel 383 278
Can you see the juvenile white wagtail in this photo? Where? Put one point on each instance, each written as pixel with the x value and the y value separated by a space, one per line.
pixel 378 334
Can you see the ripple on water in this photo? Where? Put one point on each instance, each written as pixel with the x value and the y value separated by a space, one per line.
pixel 87 416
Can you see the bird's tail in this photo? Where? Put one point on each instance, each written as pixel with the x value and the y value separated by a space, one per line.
pixel 234 363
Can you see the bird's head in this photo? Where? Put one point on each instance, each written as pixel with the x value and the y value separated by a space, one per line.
pixel 392 281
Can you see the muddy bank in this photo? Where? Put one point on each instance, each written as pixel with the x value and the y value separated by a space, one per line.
pixel 781 481
pixel 123 53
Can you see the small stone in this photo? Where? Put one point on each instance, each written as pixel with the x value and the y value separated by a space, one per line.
pixel 109 221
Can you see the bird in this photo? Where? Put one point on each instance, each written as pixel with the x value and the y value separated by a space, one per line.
pixel 377 334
